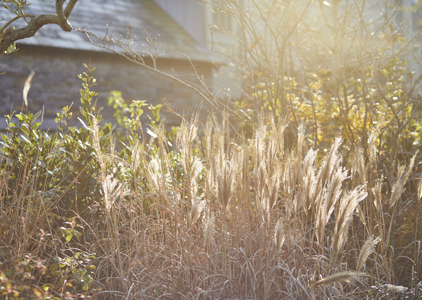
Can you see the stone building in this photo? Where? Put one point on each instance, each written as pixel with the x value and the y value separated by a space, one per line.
pixel 57 57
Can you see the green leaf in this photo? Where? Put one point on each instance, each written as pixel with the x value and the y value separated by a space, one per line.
pixel 156 111
pixel 36 116
pixel 69 236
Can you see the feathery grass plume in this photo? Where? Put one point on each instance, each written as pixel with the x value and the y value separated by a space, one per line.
pixel 328 188
pixel 366 250
pixel 259 146
pixel 273 187
pixel 109 184
pixel 96 138
pixel 156 173
pixel 197 203
pixel 358 165
pixel 420 188
pixel 209 229
pixel 275 145
pixel 165 162
pixel 195 211
pixel 225 183
pixel 224 169
pixel 396 288
pixel 361 215
pixel 398 186
pixel 269 195
pixel 208 138
pixel 377 191
pixel 308 177
pixel 347 276
pixel 300 139
pixel 185 138
pixel 402 177
pixel 372 145
pixel 195 169
pixel 329 199
pixel 329 164
pixel 136 156
pixel 208 152
pixel 260 178
pixel 112 189
pixel 334 189
pixel 321 217
pixel 153 173
pixel 246 179
pixel 210 168
pixel 410 167
pixel 348 204
pixel 260 172
pixel 290 172
pixel 192 166
pixel 331 194
pixel 279 234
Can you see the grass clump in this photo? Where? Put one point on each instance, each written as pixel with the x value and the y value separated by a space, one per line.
pixel 194 213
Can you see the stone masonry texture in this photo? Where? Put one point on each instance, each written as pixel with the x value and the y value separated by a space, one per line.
pixel 56 83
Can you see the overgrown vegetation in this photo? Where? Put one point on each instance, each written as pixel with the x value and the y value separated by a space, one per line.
pixel 202 215
pixel 266 200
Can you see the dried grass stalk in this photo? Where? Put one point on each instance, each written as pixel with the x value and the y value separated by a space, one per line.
pixel 27 86
pixel 398 186
pixel 112 189
pixel 366 250
pixel 420 188
pixel 308 176
pixel 209 230
pixel 372 143
pixel 225 183
pixel 280 235
pixel 410 167
pixel 330 163
pixel 377 191
pixel 347 276
pixel 110 185
pixel 195 212
pixel 358 165
pixel 344 216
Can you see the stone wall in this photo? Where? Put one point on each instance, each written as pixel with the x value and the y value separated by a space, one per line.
pixel 56 81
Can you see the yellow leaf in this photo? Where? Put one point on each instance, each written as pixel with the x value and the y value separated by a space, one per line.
pixel 37 292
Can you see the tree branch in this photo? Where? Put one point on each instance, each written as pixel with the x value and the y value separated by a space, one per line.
pixel 11 35
pixel 13 20
pixel 69 8
pixel 63 22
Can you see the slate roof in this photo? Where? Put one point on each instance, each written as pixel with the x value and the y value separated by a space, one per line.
pixel 94 15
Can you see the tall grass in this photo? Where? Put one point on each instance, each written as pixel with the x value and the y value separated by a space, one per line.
pixel 212 217
pixel 255 219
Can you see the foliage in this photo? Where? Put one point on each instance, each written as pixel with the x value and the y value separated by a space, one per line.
pixel 290 208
